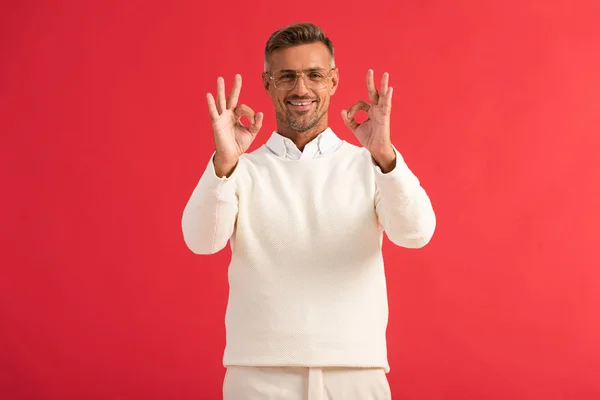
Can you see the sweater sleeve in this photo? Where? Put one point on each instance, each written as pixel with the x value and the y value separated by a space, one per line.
pixel 210 214
pixel 403 207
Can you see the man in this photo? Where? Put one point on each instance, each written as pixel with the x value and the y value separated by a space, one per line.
pixel 305 215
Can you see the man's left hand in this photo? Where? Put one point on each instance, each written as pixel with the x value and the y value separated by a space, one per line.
pixel 374 132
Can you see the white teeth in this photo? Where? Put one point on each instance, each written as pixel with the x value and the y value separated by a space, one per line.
pixel 300 104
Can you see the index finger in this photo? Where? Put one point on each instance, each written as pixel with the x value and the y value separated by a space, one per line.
pixel 358 106
pixel 244 111
pixel 373 95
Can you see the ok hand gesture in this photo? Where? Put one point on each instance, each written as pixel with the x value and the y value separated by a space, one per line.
pixel 374 132
pixel 230 136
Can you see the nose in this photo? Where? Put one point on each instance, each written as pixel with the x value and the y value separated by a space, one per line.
pixel 300 88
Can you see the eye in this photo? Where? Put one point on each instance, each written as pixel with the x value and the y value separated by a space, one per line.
pixel 315 75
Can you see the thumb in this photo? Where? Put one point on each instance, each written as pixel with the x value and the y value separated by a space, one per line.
pixel 344 115
pixel 350 122
pixel 256 124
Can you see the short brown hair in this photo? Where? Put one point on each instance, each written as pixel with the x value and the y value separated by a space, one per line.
pixel 297 34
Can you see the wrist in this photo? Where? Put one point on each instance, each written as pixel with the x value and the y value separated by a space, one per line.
pixel 386 161
pixel 224 166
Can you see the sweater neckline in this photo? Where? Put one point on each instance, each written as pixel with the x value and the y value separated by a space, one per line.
pixel 343 147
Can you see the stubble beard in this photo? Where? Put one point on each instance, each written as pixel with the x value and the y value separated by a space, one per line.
pixel 302 123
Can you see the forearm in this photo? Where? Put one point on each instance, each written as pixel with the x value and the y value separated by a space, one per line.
pixel 403 207
pixel 209 216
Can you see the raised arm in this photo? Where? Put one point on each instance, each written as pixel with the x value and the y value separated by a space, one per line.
pixel 209 216
pixel 403 207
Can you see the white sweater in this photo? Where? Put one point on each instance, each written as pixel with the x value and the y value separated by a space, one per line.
pixel 307 281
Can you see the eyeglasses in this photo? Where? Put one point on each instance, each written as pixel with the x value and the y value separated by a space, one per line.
pixel 314 78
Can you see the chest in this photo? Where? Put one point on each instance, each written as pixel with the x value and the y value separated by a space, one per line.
pixel 316 201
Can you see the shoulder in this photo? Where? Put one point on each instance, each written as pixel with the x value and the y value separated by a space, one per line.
pixel 255 161
pixel 356 150
pixel 255 156
pixel 358 154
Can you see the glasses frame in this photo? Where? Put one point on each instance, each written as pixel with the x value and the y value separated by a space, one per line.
pixel 298 73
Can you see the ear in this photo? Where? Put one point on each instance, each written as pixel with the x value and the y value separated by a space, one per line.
pixel 266 83
pixel 335 80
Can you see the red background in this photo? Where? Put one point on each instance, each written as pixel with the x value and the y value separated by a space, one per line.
pixel 105 133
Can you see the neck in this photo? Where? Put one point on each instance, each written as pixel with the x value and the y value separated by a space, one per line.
pixel 301 139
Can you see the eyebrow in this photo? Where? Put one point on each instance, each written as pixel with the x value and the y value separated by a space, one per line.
pixel 305 69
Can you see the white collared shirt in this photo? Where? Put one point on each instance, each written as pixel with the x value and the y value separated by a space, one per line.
pixel 325 143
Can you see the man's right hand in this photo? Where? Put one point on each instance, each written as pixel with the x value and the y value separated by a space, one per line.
pixel 231 137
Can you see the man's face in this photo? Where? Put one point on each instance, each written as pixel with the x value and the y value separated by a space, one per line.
pixel 301 108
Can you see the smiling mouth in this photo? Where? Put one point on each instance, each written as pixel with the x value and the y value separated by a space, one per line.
pixel 300 105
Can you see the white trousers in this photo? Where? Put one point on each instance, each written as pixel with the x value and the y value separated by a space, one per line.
pixel 284 383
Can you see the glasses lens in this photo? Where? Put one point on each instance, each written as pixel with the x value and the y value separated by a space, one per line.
pixel 313 79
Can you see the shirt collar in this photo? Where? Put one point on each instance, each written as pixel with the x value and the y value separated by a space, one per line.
pixel 326 142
